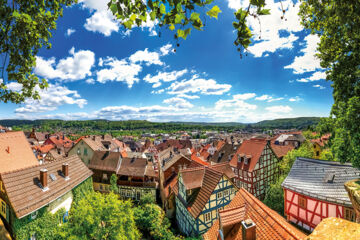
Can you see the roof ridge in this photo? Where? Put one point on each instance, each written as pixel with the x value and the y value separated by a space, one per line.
pixel 325 162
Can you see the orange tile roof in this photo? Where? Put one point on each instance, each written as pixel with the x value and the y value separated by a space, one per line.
pixel 219 145
pixel 205 178
pixel 15 152
pixel 224 168
pixel 61 141
pixel 233 215
pixel 281 150
pixel 252 147
pixel 44 148
pixel 199 160
pixel 269 224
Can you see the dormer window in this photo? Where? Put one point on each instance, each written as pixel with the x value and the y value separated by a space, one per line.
pixel 246 160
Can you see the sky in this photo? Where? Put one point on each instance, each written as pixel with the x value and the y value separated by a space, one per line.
pixel 96 69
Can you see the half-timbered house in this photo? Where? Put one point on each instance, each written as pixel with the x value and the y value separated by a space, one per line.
pixel 199 194
pixel 247 218
pixel 255 166
pixel 314 190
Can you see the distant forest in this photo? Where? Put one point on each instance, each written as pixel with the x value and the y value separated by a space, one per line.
pixel 137 127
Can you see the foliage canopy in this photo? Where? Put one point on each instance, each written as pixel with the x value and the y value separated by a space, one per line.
pixel 337 23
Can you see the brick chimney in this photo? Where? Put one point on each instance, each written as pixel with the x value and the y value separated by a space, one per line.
pixel 248 230
pixel 65 170
pixel 43 179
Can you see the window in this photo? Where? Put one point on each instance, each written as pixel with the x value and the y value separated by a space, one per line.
pixel 128 193
pixel 246 161
pixel 349 214
pixel 239 159
pixel 65 217
pixel 3 209
pixel 219 195
pixel 85 151
pixel 78 151
pixel 302 202
pixel 317 153
pixel 207 217
pixel 138 195
pixel 226 193
pixel 33 237
pixel 33 215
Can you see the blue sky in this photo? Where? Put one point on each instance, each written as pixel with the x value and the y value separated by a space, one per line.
pixel 97 69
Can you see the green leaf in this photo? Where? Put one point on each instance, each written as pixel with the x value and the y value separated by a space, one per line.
pixel 194 16
pixel 214 12
pixel 264 12
pixel 153 15
pixel 207 2
pixel 113 8
pixel 179 18
pixel 172 27
pixel 184 33
pixel 128 24
pixel 162 9
pixel 133 17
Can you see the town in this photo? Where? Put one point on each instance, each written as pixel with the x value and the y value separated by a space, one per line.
pixel 226 185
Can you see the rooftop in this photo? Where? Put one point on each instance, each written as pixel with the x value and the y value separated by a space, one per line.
pixel 24 189
pixel 15 152
pixel 321 179
pixel 269 224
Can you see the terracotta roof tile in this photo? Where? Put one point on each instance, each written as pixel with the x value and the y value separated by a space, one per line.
pixel 269 224
pixel 15 152
pixel 224 168
pixel 252 147
pixel 280 150
pixel 23 189
pixel 105 161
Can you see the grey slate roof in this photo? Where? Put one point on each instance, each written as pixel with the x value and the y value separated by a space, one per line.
pixel 313 178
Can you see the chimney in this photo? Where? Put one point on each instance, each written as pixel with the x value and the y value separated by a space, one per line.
pixel 57 137
pixel 93 137
pixel 248 230
pixel 65 170
pixel 63 137
pixel 8 149
pixel 43 179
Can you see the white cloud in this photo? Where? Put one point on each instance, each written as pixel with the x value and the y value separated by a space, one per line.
pixel 120 71
pixel 198 85
pixel 164 77
pixel 279 109
pixel 147 57
pixel 188 96
pixel 271 26
pixel 158 91
pixel 127 69
pixel 50 99
pixel 319 86
pixel 308 62
pixel 268 98
pixel 237 102
pixel 166 49
pixel 244 96
pixel 90 81
pixel 102 22
pixel 76 67
pixel 14 86
pixel 69 31
pixel 178 102
pixel 316 76
pixel 295 99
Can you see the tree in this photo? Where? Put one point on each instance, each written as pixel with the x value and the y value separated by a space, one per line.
pixel 337 23
pixel 102 216
pixel 152 222
pixel 25 27
pixel 274 197
pixel 113 184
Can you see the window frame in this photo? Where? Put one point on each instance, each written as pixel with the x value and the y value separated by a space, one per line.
pixel 302 202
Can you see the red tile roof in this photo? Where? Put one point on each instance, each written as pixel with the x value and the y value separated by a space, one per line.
pixel 250 148
pixel 203 177
pixel 15 152
pixel 269 224
pixel 199 160
pixel 23 186
pixel 281 150
pixel 44 148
